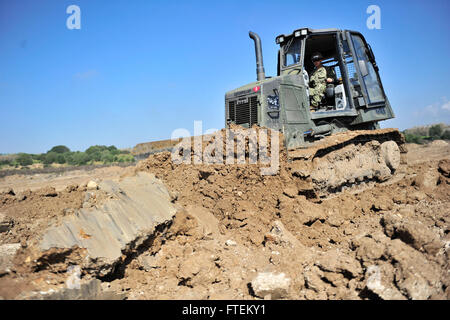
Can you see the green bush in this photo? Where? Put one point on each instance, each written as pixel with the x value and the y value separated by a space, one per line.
pixel 80 158
pixel 60 158
pixel 435 131
pixel 107 157
pixel 412 138
pixel 446 135
pixel 124 158
pixel 113 150
pixel 59 149
pixel 5 162
pixel 38 157
pixel 96 149
pixel 24 159
pixel 50 157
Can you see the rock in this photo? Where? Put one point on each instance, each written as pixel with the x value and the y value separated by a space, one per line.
pixel 268 283
pixel 92 185
pixel 7 253
pixel 230 243
pixel 5 223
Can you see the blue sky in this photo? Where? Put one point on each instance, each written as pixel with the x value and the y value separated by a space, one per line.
pixel 137 70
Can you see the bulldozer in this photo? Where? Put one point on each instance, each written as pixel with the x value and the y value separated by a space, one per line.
pixel 338 145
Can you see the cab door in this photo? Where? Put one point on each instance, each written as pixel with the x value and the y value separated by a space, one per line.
pixel 367 70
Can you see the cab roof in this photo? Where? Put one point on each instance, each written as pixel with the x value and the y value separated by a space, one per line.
pixel 303 32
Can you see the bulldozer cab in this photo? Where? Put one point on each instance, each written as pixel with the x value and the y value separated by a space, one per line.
pixel 348 60
pixel 354 99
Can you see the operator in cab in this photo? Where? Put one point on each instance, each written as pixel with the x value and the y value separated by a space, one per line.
pixel 318 81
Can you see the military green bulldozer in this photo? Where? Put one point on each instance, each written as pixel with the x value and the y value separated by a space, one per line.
pixel 339 144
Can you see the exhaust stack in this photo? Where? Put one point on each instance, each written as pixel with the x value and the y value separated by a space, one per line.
pixel 260 74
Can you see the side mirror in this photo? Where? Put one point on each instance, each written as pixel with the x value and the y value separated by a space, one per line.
pixel 363 67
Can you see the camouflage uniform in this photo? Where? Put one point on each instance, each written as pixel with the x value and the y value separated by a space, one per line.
pixel 319 79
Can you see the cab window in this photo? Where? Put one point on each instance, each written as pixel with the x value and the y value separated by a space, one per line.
pixel 368 73
pixel 292 51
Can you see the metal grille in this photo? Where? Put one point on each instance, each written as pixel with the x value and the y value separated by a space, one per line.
pixel 245 113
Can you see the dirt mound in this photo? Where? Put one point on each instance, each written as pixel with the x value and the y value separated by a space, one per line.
pixel 389 242
pixel 439 143
pixel 242 235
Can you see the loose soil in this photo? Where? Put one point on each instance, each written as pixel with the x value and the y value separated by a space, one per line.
pixel 387 242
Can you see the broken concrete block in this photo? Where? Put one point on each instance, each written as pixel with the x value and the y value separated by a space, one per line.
pixel 7 253
pixel 377 284
pixel 88 290
pixel 268 283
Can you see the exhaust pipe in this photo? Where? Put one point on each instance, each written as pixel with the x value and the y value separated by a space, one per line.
pixel 260 74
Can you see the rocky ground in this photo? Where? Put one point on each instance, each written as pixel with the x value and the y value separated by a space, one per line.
pixel 239 235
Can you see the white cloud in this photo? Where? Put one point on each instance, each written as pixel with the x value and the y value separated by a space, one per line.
pixel 436 112
pixel 446 106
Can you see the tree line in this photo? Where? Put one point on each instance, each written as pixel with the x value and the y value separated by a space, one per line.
pixel 63 155
pixel 421 135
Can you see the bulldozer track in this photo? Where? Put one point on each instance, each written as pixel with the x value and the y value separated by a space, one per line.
pixel 344 155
